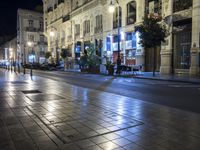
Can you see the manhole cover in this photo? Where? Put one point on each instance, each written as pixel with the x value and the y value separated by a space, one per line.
pixel 44 97
pixel 31 92
pixel 18 82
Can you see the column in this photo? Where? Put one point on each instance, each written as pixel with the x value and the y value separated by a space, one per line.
pixel 166 48
pixel 140 52
pixel 194 68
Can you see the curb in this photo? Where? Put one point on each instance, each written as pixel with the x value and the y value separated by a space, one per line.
pixel 170 80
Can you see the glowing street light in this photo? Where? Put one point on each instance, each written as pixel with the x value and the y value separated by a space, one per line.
pixel 111 10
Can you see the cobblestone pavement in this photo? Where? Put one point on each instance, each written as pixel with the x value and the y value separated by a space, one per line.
pixel 45 114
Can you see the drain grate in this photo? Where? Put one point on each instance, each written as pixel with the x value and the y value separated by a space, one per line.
pixel 44 97
pixel 18 82
pixel 31 92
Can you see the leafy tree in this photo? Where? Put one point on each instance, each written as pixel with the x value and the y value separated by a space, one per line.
pixel 63 54
pixel 92 59
pixel 152 33
pixel 47 55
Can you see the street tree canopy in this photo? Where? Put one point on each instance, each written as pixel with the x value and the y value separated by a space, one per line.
pixel 152 32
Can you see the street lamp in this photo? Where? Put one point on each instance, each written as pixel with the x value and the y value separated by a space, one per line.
pixel 52 34
pixel 111 10
pixel 11 57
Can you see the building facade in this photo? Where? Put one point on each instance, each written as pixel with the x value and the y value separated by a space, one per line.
pixel 78 23
pixel 31 42
pixel 9 52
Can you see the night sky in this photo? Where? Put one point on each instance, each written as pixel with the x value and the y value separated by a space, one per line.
pixel 8 13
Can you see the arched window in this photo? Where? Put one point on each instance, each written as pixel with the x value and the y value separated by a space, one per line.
pixel 131 12
pixel 115 17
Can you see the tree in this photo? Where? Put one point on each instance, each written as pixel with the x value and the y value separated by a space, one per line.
pixel 47 55
pixel 63 54
pixel 152 33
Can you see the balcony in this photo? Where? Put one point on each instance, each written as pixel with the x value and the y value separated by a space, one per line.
pixel 31 29
pixel 69 38
pixel 115 24
pixel 77 35
pixel 60 2
pixel 50 9
pixel 42 43
pixel 66 18
pixel 130 20
pixel 98 29
pixel 42 53
pixel 180 5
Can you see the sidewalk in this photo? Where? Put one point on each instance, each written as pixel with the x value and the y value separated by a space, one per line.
pixel 175 78
pixel 149 75
pixel 43 114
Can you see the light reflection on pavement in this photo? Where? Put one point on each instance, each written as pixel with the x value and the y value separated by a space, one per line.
pixel 65 116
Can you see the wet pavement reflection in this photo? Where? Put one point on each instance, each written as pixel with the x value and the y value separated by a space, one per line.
pixel 40 113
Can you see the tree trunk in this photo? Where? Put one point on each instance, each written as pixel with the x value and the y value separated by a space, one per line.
pixel 65 64
pixel 154 61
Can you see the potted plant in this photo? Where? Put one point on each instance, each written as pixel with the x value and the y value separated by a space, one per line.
pixel 110 67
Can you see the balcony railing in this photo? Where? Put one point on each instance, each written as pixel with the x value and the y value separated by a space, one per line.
pixel 50 9
pixel 115 24
pixel 180 5
pixel 60 2
pixel 69 38
pixel 98 29
pixel 42 53
pixel 130 20
pixel 42 43
pixel 31 29
pixel 66 18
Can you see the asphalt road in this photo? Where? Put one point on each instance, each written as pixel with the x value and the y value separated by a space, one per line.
pixel 183 96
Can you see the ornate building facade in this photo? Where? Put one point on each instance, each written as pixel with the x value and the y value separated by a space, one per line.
pixel 74 24
pixel 31 42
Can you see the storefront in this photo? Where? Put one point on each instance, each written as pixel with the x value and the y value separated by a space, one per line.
pixel 130 48
pixel 182 45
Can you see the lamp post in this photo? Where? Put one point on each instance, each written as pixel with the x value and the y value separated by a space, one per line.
pixel 111 10
pixel 24 57
pixel 30 45
pixel 52 34
pixel 11 58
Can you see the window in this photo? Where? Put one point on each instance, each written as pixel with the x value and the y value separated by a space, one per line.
pixel 182 5
pixel 154 6
pixel 129 36
pixel 30 23
pixel 115 17
pixel 41 25
pixel 31 37
pixel 77 29
pixel 131 12
pixel 115 39
pixel 99 23
pixel 86 27
pixel 41 38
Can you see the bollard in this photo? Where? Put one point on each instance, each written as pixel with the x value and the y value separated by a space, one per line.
pixel 24 70
pixel 31 71
pixel 18 68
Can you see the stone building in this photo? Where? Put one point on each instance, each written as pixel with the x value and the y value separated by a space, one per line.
pixel 31 42
pixel 75 24
pixel 9 51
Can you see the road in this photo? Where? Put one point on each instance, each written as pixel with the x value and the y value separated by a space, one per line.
pixel 183 96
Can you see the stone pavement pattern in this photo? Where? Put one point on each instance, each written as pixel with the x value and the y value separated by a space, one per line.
pixel 46 114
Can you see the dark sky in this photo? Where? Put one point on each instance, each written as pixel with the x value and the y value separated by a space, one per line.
pixel 8 13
